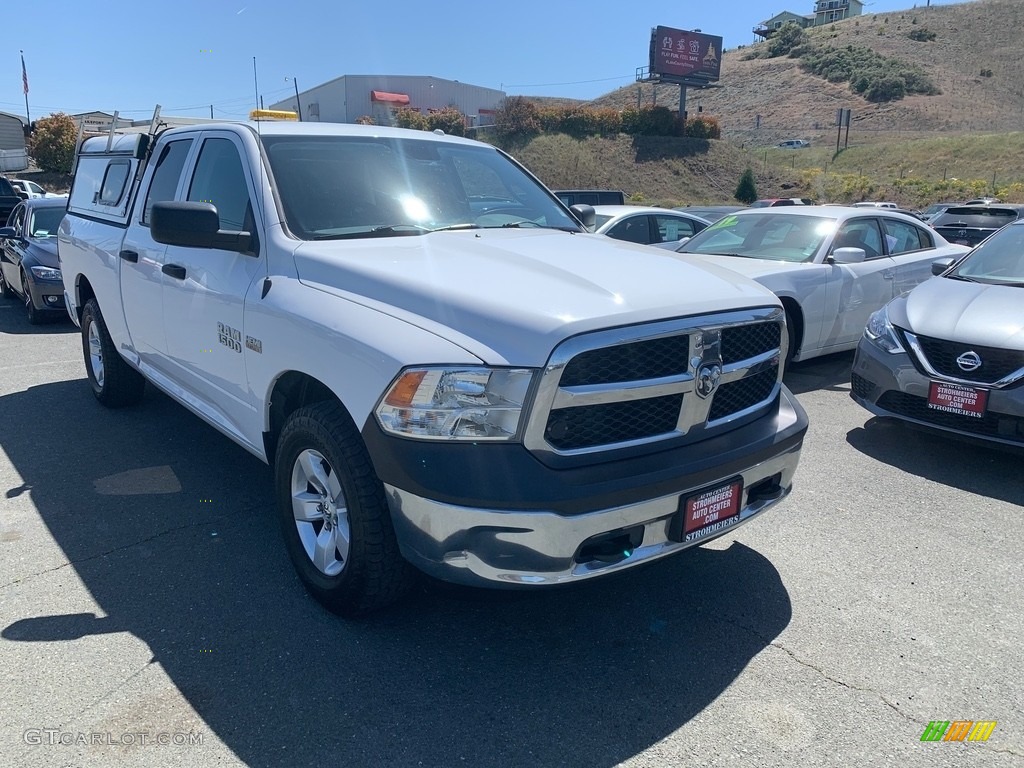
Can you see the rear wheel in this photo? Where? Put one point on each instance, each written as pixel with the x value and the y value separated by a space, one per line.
pixel 794 336
pixel 113 381
pixel 333 513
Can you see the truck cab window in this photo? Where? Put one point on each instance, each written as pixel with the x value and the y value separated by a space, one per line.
pixel 219 179
pixel 166 175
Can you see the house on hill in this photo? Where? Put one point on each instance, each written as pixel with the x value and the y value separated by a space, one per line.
pixel 825 12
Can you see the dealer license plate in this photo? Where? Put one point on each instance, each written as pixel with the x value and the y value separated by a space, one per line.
pixel 708 512
pixel 954 398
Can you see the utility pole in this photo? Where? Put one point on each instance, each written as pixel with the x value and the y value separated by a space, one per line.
pixel 211 111
pixel 298 104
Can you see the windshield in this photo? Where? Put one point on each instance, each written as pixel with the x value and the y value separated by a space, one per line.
pixel 44 221
pixel 773 236
pixel 337 187
pixel 975 217
pixel 998 260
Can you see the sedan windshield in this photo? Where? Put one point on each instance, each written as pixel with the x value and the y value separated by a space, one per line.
pixel 773 236
pixel 998 260
pixel 341 187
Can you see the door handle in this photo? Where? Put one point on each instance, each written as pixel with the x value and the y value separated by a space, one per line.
pixel 173 270
pixel 888 274
pixel 131 256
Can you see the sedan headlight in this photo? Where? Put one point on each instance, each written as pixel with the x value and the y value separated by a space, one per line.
pixel 881 333
pixel 46 273
pixel 455 403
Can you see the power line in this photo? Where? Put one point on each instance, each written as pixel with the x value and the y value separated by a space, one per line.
pixel 574 82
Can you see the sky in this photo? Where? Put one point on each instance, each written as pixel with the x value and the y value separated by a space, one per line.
pixel 187 55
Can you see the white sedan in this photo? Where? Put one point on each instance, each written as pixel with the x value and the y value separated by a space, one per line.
pixel 831 266
pixel 645 225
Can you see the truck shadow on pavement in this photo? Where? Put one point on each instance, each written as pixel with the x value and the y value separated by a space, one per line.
pixel 968 465
pixel 828 372
pixel 170 527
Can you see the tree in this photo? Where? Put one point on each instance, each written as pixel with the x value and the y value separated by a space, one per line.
pixel 52 143
pixel 746 190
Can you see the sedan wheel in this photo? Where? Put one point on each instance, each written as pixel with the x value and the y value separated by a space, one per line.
pixel 35 317
pixel 5 289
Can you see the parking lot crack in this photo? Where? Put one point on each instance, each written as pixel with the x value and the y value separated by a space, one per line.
pixel 121 548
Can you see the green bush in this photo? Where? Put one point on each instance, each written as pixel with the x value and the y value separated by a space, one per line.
pixel 52 142
pixel 746 190
pixel 448 119
pixel 406 117
pixel 787 37
pixel 703 128
pixel 921 34
pixel 517 119
pixel 870 74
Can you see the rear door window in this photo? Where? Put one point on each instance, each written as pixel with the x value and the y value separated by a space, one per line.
pixel 902 236
pixel 167 175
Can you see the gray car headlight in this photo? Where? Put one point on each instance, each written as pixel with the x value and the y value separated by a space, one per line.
pixel 464 403
pixel 881 333
pixel 46 273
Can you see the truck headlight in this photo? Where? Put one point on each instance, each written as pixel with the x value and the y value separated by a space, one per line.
pixel 881 333
pixel 46 273
pixel 467 403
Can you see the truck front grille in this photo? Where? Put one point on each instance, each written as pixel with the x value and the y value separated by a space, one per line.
pixel 644 384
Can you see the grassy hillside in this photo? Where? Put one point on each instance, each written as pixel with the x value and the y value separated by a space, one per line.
pixel 962 142
pixel 969 38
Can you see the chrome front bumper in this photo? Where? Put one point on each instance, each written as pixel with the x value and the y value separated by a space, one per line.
pixel 487 547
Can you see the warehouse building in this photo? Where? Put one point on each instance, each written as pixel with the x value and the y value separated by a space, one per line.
pixel 13 156
pixel 345 99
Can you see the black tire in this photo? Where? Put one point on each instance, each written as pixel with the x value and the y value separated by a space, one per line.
pixel 35 317
pixel 373 573
pixel 118 384
pixel 791 331
pixel 5 289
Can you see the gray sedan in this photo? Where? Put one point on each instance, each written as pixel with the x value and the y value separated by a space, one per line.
pixel 29 269
pixel 950 354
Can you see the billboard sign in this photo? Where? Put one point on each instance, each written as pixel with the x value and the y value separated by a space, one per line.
pixel 681 55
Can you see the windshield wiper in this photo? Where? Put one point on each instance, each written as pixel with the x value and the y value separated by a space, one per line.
pixel 453 227
pixel 963 278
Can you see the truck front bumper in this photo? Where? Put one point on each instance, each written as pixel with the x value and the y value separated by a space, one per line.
pixel 496 545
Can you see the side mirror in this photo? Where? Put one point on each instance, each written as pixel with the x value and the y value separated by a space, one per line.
pixel 586 214
pixel 848 255
pixel 938 266
pixel 195 225
pixel 8 232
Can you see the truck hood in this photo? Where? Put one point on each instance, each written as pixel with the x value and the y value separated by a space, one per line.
pixel 974 313
pixel 509 296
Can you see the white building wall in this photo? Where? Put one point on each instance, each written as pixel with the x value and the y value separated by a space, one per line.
pixel 347 98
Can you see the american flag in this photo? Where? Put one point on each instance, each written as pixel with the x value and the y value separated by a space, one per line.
pixel 24 74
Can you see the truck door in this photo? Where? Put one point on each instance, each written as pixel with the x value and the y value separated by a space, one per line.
pixel 204 289
pixel 142 258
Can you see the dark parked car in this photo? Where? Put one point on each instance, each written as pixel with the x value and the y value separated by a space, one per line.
pixel 573 197
pixel 9 197
pixel 970 224
pixel 28 257
pixel 950 354
pixel 711 212
pixel 935 209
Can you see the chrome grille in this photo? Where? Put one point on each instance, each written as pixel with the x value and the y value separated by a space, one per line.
pixel 629 362
pixel 643 384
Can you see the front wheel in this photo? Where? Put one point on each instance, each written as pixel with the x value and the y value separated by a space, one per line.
pixel 5 289
pixel 333 513
pixel 113 381
pixel 34 316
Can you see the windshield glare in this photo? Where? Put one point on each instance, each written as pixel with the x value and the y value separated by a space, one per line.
pixel 772 236
pixel 334 187
pixel 999 259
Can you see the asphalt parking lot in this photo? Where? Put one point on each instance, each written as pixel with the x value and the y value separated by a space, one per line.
pixel 145 597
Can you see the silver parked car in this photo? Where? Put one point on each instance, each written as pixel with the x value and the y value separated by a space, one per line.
pixel 832 266
pixel 950 354
pixel 646 225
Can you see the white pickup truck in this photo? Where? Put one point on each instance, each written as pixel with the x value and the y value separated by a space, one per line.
pixel 442 367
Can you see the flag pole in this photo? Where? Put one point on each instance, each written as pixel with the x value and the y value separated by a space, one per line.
pixel 24 87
